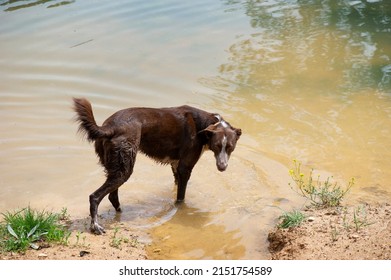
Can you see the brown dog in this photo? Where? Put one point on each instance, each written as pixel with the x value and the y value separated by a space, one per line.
pixel 175 136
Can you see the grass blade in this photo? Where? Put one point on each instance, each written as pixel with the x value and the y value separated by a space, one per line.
pixel 32 231
pixel 12 232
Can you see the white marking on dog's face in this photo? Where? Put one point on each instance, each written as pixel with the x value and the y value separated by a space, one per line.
pixel 222 157
pixel 222 142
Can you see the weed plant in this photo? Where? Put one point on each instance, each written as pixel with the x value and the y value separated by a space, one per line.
pixel 116 241
pixel 22 229
pixel 360 219
pixel 320 194
pixel 291 219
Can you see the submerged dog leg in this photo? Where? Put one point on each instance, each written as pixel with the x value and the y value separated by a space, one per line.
pixel 183 177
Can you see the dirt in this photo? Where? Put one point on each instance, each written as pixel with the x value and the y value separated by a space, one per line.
pixel 346 233
pixel 119 242
pixel 359 232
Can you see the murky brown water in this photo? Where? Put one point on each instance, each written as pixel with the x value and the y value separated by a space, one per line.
pixel 304 81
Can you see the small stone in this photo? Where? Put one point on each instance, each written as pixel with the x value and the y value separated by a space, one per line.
pixel 83 253
pixel 42 255
pixel 34 246
pixel 354 236
pixel 311 219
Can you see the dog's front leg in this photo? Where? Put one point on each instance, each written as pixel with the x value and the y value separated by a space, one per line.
pixel 174 168
pixel 183 174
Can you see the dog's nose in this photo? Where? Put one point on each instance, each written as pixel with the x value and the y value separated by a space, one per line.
pixel 222 166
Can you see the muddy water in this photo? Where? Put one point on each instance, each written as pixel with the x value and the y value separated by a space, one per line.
pixel 304 81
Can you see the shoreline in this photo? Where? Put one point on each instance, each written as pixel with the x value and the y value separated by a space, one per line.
pixel 361 232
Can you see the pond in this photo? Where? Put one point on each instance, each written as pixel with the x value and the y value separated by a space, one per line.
pixel 303 80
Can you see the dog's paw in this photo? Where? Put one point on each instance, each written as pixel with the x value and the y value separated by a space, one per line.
pixel 97 229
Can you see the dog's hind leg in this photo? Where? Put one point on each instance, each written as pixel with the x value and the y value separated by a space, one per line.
pixel 113 197
pixel 111 185
pixel 119 165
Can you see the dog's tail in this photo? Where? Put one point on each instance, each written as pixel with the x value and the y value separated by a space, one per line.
pixel 85 117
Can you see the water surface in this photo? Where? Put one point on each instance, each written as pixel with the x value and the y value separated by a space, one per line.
pixel 303 80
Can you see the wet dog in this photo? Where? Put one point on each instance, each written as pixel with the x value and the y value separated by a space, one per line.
pixel 175 136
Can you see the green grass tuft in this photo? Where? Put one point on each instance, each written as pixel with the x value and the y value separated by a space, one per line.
pixel 24 228
pixel 291 219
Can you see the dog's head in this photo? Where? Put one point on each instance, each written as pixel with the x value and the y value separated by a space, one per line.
pixel 222 138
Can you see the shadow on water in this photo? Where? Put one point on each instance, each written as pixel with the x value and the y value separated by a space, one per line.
pixel 13 5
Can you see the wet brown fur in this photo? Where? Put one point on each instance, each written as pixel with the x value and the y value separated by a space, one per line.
pixel 175 136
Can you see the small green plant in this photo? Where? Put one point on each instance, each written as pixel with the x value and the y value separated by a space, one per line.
pixel 22 229
pixel 116 241
pixel 81 240
pixel 320 194
pixel 64 215
pixel 291 219
pixel 334 234
pixel 78 234
pixel 360 218
pixel 133 241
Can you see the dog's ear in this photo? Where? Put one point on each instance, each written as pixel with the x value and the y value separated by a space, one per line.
pixel 238 132
pixel 208 132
